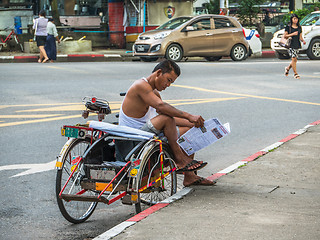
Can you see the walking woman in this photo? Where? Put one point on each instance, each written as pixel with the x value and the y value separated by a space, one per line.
pixel 50 47
pixel 40 26
pixel 294 30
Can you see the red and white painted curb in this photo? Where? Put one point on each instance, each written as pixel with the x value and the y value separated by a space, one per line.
pixel 61 56
pixel 122 226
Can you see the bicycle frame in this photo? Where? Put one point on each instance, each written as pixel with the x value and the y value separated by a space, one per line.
pixel 10 36
pixel 130 169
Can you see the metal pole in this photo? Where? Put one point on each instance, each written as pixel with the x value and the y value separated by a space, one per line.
pixel 144 16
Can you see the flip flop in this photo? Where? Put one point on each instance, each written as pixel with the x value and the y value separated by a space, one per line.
pixel 187 168
pixel 286 71
pixel 202 181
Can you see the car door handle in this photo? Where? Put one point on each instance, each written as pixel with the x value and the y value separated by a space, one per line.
pixel 234 31
pixel 209 34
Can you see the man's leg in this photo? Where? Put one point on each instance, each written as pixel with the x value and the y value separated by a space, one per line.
pixel 168 126
pixel 191 177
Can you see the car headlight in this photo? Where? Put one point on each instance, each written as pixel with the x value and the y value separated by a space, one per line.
pixel 162 35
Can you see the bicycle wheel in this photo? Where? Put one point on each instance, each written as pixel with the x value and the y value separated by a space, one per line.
pixel 74 211
pixel 150 170
pixel 18 43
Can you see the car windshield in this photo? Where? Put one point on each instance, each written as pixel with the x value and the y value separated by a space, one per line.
pixel 310 19
pixel 174 23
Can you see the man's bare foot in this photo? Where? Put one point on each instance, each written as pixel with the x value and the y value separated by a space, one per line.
pixel 196 180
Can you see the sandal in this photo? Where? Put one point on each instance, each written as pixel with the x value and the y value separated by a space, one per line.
pixel 192 163
pixel 201 181
pixel 286 71
pixel 296 76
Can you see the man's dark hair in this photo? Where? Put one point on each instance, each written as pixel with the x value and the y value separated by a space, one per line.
pixel 42 13
pixel 167 66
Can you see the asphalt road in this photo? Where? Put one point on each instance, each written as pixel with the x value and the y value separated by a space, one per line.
pixel 260 103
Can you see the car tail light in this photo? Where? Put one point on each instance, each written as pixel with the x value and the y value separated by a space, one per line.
pixel 257 35
pixel 244 33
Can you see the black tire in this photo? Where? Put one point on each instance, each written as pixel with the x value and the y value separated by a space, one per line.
pixel 238 52
pixel 280 55
pixel 149 171
pixel 74 211
pixel 149 59
pixel 212 59
pixel 174 52
pixel 313 50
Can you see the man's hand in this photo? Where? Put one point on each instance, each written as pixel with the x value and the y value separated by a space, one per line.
pixel 197 120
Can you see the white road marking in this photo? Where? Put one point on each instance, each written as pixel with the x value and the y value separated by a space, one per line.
pixel 31 168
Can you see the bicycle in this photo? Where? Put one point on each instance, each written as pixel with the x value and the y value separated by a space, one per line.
pixel 88 171
pixel 12 35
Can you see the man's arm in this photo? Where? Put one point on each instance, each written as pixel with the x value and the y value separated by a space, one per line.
pixel 154 101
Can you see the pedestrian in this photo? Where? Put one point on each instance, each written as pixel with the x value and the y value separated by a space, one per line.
pixel 40 27
pixel 293 30
pixel 50 47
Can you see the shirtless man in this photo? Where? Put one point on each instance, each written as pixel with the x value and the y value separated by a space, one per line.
pixel 139 108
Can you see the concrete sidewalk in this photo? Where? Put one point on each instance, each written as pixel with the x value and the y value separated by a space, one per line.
pixel 277 196
pixel 98 55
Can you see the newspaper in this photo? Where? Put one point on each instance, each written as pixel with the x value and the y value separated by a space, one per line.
pixel 198 138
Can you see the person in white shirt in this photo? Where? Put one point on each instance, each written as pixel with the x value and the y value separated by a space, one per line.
pixel 52 36
pixel 40 27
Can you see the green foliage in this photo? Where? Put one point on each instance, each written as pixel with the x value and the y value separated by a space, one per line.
pixel 248 11
pixel 300 12
pixel 213 6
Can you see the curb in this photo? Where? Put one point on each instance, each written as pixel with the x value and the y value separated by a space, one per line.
pixel 91 57
pixel 67 58
pixel 133 220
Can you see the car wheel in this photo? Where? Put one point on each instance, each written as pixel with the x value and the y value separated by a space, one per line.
pixel 174 53
pixel 238 52
pixel 313 51
pixel 282 55
pixel 149 59
pixel 212 59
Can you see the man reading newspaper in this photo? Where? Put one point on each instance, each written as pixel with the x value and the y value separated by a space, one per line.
pixel 143 108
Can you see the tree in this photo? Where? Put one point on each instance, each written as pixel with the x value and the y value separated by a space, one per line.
pixel 213 6
pixel 55 12
pixel 248 11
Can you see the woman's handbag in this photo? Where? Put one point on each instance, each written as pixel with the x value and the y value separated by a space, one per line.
pixel 285 42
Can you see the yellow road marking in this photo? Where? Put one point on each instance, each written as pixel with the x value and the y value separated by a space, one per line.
pixel 47 104
pixel 30 116
pixel 244 95
pixel 309 76
pixel 43 120
pixel 205 101
pixel 115 106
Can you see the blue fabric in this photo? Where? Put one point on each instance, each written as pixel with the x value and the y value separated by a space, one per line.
pixel 121 131
pixel 51 48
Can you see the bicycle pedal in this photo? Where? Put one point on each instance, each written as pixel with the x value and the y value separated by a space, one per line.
pixel 127 199
pixel 130 198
